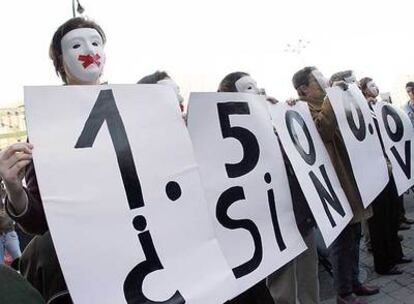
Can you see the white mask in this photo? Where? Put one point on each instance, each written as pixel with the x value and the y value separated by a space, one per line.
pixel 247 84
pixel 83 55
pixel 350 79
pixel 372 88
pixel 172 84
pixel 322 81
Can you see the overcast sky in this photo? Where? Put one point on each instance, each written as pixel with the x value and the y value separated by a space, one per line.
pixel 199 42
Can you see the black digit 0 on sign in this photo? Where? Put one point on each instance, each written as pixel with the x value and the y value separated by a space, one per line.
pixel 361 131
pixel 396 136
pixel 290 118
pixel 388 111
pixel 251 150
pixel 105 109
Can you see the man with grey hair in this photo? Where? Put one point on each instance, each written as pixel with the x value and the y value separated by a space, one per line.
pixel 310 85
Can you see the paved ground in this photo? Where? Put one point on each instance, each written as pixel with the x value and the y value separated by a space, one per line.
pixel 394 289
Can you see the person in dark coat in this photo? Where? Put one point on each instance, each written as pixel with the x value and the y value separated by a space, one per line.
pixel 77 52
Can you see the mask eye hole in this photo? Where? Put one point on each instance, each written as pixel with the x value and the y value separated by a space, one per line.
pixel 95 43
pixel 76 46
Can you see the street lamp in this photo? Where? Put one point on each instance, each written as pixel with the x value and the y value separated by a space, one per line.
pixel 79 8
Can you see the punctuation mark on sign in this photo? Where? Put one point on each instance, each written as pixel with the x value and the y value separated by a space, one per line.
pixel 105 109
pixel 389 111
pixel 327 196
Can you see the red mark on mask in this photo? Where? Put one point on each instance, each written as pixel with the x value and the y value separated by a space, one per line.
pixel 89 59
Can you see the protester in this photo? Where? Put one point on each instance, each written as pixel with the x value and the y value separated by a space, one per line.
pixel 161 77
pixel 383 226
pixel 370 91
pixel 77 51
pixel 310 85
pixel 297 281
pixel 343 79
pixel 243 83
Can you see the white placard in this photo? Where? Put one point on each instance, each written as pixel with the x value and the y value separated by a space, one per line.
pixel 123 196
pixel 313 168
pixel 361 139
pixel 245 182
pixel 397 134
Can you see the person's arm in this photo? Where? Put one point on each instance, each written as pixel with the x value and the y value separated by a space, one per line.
pixel 325 120
pixel 23 205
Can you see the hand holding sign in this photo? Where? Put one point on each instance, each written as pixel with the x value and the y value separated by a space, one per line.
pixel 152 212
pixel 13 160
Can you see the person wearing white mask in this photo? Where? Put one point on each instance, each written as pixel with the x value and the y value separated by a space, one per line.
pixel 77 52
pixel 242 82
pixel 369 89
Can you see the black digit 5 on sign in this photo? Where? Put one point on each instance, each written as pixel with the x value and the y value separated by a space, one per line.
pixel 251 150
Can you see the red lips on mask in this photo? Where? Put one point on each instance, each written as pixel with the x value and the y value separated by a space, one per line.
pixel 87 60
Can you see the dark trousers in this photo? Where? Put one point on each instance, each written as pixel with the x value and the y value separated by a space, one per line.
pixel 401 209
pixel 383 229
pixel 344 257
pixel 258 294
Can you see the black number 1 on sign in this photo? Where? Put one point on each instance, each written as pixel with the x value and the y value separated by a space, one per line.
pixel 105 109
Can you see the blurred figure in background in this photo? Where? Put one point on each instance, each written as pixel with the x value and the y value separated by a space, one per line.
pixel 8 237
pixel 409 106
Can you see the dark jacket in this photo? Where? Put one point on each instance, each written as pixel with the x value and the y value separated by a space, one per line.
pixel 303 215
pixel 33 220
pixel 325 121
pixel 39 263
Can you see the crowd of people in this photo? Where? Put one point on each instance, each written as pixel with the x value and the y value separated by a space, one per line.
pixel 77 52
